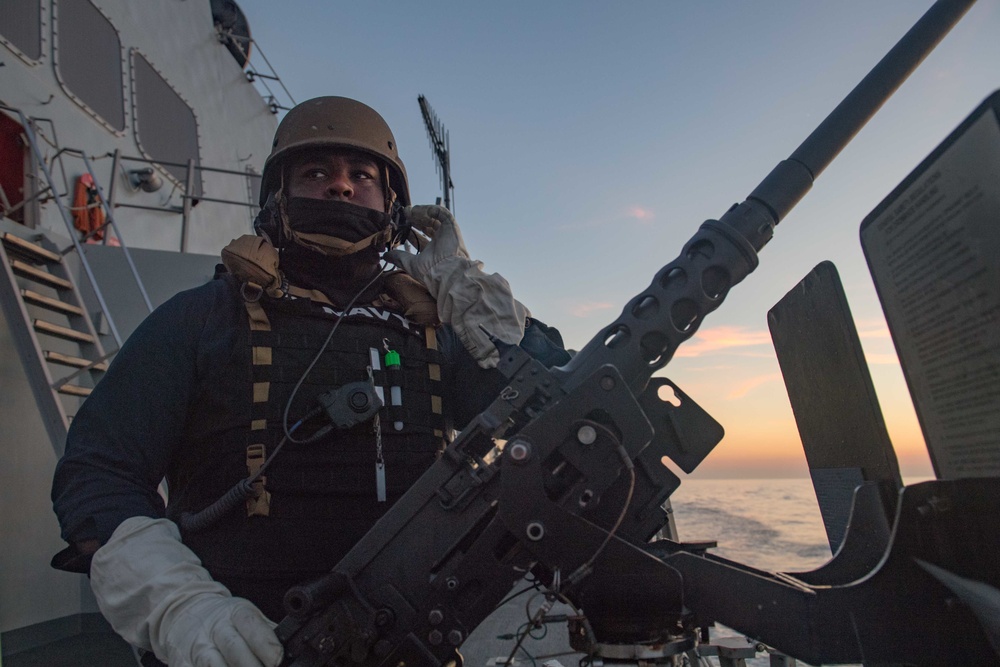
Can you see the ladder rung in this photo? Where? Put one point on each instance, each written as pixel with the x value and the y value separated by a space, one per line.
pixel 40 276
pixel 74 390
pixel 75 362
pixel 62 332
pixel 35 251
pixel 50 303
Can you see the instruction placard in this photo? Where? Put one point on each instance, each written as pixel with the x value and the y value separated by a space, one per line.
pixel 933 247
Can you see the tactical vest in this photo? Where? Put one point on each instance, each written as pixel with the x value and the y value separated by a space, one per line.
pixel 316 500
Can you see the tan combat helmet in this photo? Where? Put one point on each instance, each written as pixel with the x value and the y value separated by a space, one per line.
pixel 336 122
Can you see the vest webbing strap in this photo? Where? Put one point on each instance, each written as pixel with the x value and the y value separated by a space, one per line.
pixel 258 318
pixel 434 373
pixel 258 504
pixel 311 294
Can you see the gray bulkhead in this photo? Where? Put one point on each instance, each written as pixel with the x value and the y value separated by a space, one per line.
pixel 170 48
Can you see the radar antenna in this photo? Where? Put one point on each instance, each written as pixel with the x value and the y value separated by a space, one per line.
pixel 441 145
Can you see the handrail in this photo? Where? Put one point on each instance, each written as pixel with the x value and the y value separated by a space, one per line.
pixel 212 199
pixel 109 222
pixel 27 200
pixel 28 128
pixel 187 198
pixel 164 163
pixel 252 73
pixel 83 369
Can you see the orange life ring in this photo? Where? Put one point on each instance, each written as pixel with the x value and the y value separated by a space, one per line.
pixel 88 214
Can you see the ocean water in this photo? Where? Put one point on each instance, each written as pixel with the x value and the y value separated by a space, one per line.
pixel 771 524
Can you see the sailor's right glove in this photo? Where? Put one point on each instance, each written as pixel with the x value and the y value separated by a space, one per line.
pixel 154 592
pixel 467 297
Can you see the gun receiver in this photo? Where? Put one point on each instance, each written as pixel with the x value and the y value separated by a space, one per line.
pixel 562 476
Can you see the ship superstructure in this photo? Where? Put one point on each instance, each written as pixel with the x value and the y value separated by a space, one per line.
pixel 131 140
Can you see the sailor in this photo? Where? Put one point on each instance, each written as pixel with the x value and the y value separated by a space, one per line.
pixel 287 403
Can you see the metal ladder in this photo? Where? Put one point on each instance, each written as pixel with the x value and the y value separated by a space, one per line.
pixel 59 345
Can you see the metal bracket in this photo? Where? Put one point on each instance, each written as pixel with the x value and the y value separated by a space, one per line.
pixel 683 430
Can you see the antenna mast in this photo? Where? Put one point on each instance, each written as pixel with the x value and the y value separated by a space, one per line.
pixel 441 146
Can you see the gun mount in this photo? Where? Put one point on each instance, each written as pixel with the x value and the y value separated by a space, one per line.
pixel 562 477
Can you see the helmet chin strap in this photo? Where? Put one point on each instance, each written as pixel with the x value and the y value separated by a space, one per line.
pixel 389 195
pixel 335 247
pixel 280 212
pixel 334 228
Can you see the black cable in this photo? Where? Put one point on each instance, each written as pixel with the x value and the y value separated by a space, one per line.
pixel 587 628
pixel 585 569
pixel 525 650
pixel 544 629
pixel 192 523
pixel 322 349
pixel 234 497
pixel 577 575
pixel 536 586
pixel 533 621
pixel 523 631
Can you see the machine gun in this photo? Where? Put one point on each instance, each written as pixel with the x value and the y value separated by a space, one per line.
pixel 562 477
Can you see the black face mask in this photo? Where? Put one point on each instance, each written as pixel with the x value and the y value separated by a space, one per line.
pixel 333 246
pixel 336 228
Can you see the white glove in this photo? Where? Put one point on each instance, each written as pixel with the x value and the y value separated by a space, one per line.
pixel 154 592
pixel 466 296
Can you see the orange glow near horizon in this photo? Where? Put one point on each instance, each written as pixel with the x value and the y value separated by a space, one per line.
pixel 733 374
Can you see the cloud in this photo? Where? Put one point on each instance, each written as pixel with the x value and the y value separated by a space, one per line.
pixel 643 215
pixel 869 329
pixel 588 308
pixel 745 387
pixel 714 368
pixel 876 329
pixel 718 339
pixel 882 359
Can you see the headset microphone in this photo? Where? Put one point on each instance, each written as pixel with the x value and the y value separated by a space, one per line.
pixel 401 225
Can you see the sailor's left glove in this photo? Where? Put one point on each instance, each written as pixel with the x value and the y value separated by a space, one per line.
pixel 467 297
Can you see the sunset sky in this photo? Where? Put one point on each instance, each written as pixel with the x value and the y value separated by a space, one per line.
pixel 590 139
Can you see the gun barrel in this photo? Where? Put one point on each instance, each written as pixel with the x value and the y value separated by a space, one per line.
pixel 792 178
pixel 723 252
pixel 305 599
